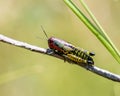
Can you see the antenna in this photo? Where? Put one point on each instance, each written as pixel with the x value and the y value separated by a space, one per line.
pixel 44 32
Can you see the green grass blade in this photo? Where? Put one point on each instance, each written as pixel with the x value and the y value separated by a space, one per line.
pixel 101 30
pixel 100 33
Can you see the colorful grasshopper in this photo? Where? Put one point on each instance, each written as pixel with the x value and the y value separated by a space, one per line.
pixel 68 50
pixel 73 53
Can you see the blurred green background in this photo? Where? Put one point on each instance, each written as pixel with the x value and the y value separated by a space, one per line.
pixel 25 73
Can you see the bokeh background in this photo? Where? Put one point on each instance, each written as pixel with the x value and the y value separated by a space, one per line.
pixel 26 73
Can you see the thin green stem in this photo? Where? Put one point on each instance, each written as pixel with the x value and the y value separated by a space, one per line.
pixel 101 30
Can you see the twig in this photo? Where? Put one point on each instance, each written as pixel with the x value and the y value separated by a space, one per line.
pixel 94 69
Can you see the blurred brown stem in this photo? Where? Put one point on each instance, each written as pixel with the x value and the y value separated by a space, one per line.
pixel 94 69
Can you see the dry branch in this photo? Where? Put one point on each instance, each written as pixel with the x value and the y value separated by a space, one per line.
pixel 94 69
